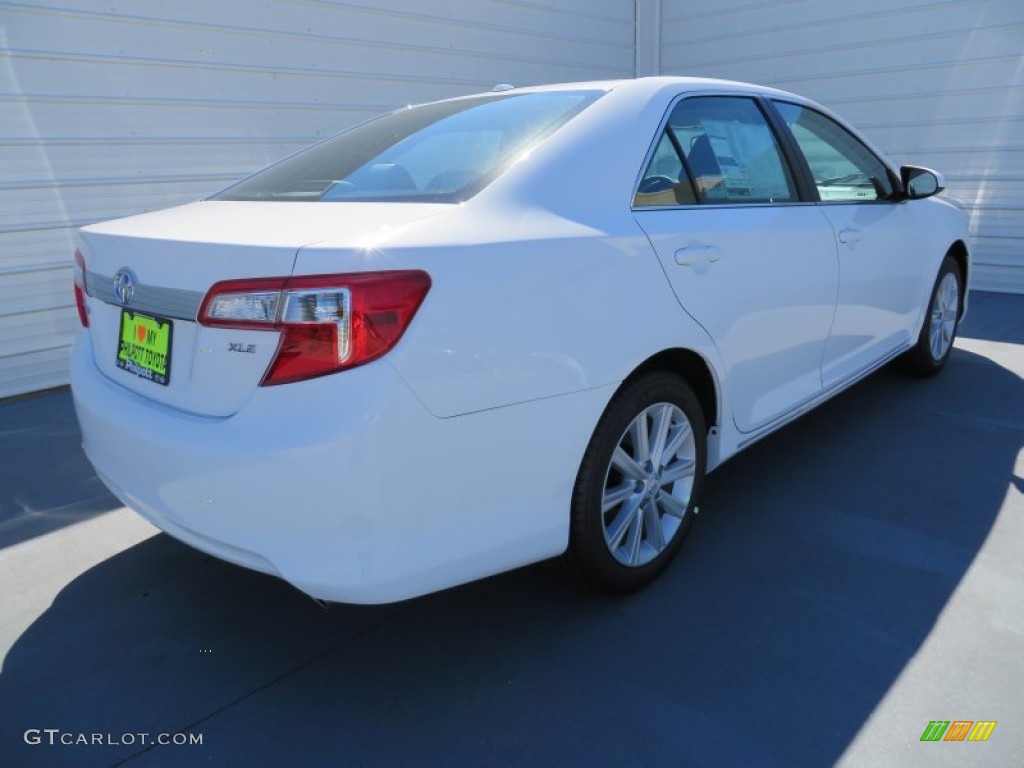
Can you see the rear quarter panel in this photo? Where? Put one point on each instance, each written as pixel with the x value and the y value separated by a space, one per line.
pixel 530 307
pixel 543 283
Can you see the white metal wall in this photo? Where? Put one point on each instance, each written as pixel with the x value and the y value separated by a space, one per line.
pixel 116 107
pixel 938 83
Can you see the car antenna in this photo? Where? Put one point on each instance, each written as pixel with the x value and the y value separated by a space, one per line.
pixel 503 87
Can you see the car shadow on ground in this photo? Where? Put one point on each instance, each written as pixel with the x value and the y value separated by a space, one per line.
pixel 994 317
pixel 47 482
pixel 820 563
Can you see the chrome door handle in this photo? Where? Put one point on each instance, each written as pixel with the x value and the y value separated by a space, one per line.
pixel 849 236
pixel 696 254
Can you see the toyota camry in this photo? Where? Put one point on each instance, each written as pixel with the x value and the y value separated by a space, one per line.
pixel 483 332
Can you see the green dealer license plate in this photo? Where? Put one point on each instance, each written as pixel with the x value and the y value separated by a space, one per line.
pixel 145 346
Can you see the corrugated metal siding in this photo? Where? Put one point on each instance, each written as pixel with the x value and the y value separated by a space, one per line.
pixel 109 109
pixel 938 83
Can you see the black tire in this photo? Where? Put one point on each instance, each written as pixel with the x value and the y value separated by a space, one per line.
pixel 922 359
pixel 661 397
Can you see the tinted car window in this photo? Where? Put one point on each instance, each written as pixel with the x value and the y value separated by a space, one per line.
pixel 730 151
pixel 665 181
pixel 844 170
pixel 443 152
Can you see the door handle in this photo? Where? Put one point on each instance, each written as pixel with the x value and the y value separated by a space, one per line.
pixel 849 236
pixel 696 254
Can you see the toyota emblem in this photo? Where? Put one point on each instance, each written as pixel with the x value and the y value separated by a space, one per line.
pixel 124 285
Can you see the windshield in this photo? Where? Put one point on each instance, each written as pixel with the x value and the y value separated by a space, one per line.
pixel 439 153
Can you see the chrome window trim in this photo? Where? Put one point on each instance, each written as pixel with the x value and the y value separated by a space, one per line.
pixel 708 206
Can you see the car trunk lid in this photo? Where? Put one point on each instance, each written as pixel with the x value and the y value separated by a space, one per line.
pixel 146 277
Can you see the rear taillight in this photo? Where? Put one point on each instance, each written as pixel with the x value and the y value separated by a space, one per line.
pixel 328 322
pixel 79 278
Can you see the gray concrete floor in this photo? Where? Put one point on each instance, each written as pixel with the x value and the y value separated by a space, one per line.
pixel 850 579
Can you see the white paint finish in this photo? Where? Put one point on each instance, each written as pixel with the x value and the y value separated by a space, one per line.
pixel 485 258
pixel 192 247
pixel 937 83
pixel 552 341
pixel 545 295
pixel 886 277
pixel 373 543
pixel 772 350
pixel 112 109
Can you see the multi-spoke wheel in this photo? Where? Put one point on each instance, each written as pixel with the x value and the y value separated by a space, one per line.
pixel 945 311
pixel 636 491
pixel 648 484
pixel 936 340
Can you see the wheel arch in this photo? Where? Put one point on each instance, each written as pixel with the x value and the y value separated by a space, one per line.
pixel 958 250
pixel 692 367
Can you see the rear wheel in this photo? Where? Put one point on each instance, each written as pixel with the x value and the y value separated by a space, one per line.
pixel 638 484
pixel 935 343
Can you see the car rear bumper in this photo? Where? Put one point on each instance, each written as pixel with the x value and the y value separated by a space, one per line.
pixel 345 485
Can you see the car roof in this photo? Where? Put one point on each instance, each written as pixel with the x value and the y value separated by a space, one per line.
pixel 650 86
pixel 658 83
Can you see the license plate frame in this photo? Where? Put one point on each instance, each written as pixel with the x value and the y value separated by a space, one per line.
pixel 143 347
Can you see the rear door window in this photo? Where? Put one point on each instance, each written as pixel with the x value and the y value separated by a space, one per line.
pixel 730 151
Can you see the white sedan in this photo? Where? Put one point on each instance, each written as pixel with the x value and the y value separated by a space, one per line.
pixel 478 333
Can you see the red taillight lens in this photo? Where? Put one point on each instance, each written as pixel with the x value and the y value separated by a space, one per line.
pixel 79 278
pixel 328 322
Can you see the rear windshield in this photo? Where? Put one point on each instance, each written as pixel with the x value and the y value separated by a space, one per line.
pixel 439 153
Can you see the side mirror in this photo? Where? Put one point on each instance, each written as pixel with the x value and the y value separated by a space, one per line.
pixel 920 182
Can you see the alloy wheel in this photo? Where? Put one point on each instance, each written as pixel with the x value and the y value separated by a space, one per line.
pixel 648 484
pixel 945 308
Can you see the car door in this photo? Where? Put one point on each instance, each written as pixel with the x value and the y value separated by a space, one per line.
pixel 881 273
pixel 749 261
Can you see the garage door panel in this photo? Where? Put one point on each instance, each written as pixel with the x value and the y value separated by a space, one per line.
pixel 931 82
pixel 112 109
pixel 38 369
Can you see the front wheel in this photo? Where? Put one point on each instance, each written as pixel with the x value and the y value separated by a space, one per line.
pixel 637 488
pixel 935 343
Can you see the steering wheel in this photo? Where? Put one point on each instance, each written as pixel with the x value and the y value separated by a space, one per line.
pixel 652 184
